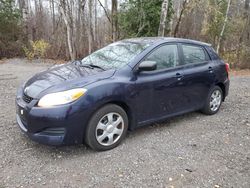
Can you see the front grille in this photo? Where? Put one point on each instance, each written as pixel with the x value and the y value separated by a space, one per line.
pixel 27 98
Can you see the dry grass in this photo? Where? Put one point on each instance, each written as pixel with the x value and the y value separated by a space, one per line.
pixel 2 61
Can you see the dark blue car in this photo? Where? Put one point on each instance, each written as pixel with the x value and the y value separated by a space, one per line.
pixel 122 86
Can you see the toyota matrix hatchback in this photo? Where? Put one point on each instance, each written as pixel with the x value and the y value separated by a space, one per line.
pixel 122 86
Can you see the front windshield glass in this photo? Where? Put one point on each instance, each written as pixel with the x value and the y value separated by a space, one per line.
pixel 114 55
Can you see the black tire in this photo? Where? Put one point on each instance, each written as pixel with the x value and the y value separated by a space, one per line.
pixel 91 131
pixel 207 108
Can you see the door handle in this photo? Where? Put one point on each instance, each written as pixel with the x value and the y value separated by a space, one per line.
pixel 178 76
pixel 210 69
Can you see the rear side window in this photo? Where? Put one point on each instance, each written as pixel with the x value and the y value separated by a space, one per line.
pixel 165 56
pixel 194 54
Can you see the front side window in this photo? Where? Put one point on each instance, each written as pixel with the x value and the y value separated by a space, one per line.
pixel 165 56
pixel 193 54
pixel 115 55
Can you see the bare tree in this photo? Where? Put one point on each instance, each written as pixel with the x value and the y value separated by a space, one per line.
pixel 52 4
pixel 184 6
pixel 96 38
pixel 106 22
pixel 66 12
pixel 114 20
pixel 163 18
pixel 90 26
pixel 24 7
pixel 223 27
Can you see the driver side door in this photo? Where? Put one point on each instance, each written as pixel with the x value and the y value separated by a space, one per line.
pixel 160 91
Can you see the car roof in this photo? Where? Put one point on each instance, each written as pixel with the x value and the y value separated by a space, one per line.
pixel 153 40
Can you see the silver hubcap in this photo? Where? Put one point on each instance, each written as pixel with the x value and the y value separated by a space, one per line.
pixel 215 100
pixel 109 129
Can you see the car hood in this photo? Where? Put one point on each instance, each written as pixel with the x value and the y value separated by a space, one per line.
pixel 63 77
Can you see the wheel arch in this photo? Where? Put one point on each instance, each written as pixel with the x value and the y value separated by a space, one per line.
pixel 127 109
pixel 222 86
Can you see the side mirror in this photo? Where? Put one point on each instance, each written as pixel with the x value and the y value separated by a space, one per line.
pixel 147 66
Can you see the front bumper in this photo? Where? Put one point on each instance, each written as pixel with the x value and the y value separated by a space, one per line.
pixel 44 137
pixel 61 125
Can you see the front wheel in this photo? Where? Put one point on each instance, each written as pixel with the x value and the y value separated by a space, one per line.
pixel 107 128
pixel 213 102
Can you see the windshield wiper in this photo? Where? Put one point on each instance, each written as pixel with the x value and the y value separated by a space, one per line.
pixel 96 66
pixel 89 65
pixel 86 65
pixel 79 63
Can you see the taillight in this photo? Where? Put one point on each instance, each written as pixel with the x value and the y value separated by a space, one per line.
pixel 227 68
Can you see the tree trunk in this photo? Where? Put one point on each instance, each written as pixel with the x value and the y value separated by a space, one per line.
pixel 163 18
pixel 23 5
pixel 114 21
pixel 90 28
pixel 53 16
pixel 96 27
pixel 224 26
pixel 184 5
pixel 169 24
pixel 106 25
pixel 247 4
pixel 68 22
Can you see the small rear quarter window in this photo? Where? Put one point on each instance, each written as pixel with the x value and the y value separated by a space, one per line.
pixel 212 53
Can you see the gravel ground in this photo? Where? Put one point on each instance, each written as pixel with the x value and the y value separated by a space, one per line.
pixel 192 150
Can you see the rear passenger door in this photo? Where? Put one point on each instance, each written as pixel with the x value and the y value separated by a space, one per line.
pixel 198 75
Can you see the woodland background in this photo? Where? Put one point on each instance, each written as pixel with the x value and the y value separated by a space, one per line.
pixel 71 29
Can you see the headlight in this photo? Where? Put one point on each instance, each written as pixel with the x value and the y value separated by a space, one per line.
pixel 64 97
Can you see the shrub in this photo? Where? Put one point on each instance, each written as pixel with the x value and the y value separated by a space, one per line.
pixel 37 49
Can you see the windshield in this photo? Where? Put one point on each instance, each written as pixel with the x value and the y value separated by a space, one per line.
pixel 115 55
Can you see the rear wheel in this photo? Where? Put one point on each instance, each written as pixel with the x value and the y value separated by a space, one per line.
pixel 107 128
pixel 213 102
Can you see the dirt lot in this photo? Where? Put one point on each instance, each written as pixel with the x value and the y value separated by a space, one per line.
pixel 193 150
